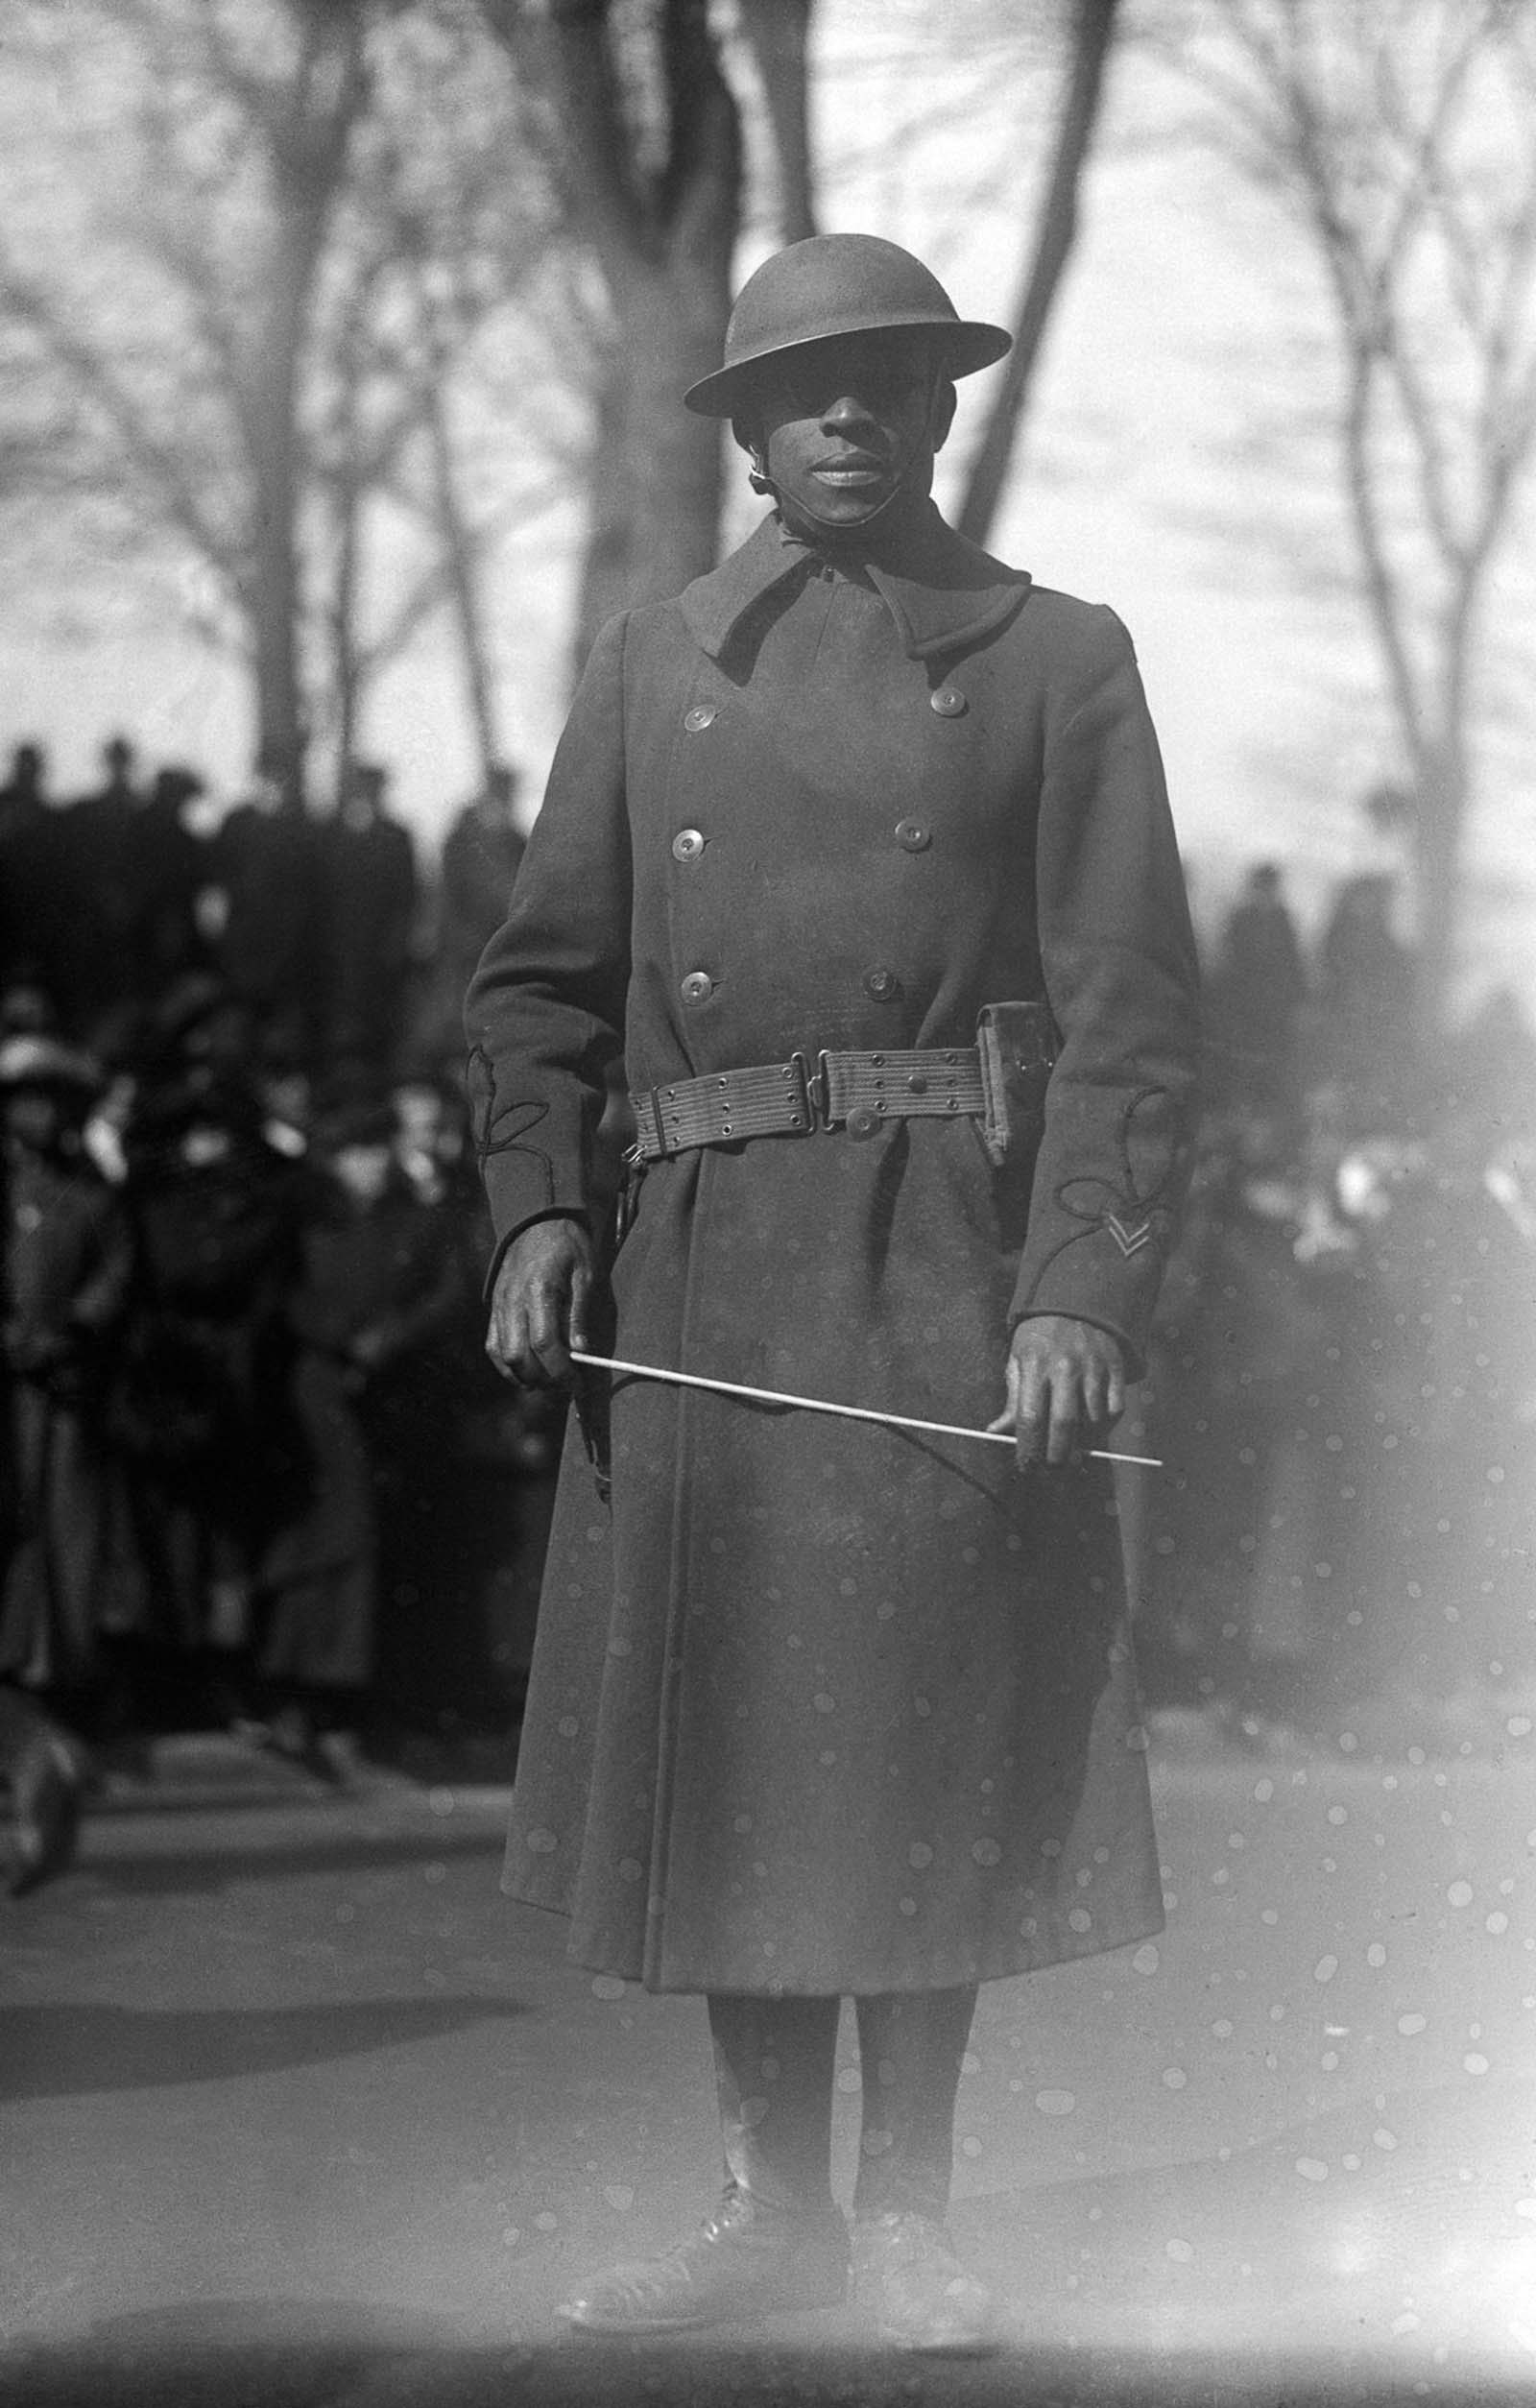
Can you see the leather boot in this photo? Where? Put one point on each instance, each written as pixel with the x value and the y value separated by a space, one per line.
pixel 905 2270
pixel 775 2238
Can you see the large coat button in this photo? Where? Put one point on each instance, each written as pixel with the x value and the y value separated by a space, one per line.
pixel 697 987
pixel 912 833
pixel 702 715
pixel 879 983
pixel 947 701
pixel 862 1123
pixel 688 844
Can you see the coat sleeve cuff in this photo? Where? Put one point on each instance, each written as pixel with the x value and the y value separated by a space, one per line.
pixel 1092 1278
pixel 553 1212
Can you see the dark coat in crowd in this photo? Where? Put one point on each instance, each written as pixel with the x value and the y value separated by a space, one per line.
pixel 202 1400
pixel 40 923
pixel 482 853
pixel 376 1285
pixel 268 864
pixel 820 1706
pixel 67 1571
pixel 370 899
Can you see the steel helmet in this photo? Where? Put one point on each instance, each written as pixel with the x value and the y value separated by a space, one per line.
pixel 838 284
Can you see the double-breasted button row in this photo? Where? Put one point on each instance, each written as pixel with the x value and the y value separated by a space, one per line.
pixel 879 983
pixel 910 834
pixel 947 701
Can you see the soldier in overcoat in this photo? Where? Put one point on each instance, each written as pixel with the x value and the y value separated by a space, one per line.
pixel 840 847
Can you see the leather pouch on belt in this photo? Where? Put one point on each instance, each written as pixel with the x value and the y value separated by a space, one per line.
pixel 1016 1042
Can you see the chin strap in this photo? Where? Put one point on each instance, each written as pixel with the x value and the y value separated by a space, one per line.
pixel 832 530
pixel 840 529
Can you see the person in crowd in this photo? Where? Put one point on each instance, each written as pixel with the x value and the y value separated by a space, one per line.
pixel 264 916
pixel 481 855
pixel 1244 1586
pixel 376 1285
pixel 201 1401
pixel 405 1268
pixel 119 789
pixel 819 1708
pixel 97 849
pixel 1256 995
pixel 165 870
pixel 1442 1523
pixel 370 910
pixel 1363 1016
pixel 67 1572
pixel 35 901
pixel 476 866
pixel 495 1452
pixel 25 792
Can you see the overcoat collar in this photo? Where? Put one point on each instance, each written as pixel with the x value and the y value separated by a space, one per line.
pixel 943 593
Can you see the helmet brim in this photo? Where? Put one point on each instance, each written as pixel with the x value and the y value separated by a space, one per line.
pixel 963 344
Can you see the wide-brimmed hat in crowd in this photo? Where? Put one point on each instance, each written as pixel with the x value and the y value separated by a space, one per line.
pixel 38 1060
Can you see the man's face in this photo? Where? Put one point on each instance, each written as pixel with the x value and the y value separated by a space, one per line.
pixel 840 424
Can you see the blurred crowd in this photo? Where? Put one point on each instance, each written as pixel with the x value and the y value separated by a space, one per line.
pixel 255 1470
pixel 1343 1387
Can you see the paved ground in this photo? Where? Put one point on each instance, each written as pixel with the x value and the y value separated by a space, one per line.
pixel 297 2109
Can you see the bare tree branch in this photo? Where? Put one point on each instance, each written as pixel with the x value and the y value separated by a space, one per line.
pixel 1373 128
pixel 155 464
pixel 1093 25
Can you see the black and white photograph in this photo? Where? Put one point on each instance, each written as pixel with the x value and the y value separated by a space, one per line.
pixel 768 1166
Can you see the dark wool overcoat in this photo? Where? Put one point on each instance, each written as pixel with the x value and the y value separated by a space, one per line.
pixel 821 1706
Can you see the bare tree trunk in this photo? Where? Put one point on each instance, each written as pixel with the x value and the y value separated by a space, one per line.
pixel 307 123
pixel 1094 24
pixel 777 33
pixel 464 587
pixel 271 404
pixel 459 565
pixel 1441 796
pixel 605 569
pixel 346 676
pixel 663 235
pixel 672 325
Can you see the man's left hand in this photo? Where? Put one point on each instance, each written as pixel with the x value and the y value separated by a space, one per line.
pixel 1065 1388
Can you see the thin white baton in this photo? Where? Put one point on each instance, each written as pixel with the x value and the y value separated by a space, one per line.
pixel 822 1405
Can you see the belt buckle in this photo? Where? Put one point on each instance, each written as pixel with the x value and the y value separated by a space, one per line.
pixel 813 1088
pixel 658 1129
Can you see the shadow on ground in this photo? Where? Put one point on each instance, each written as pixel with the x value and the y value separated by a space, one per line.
pixel 276 2354
pixel 59 2050
pixel 191 1873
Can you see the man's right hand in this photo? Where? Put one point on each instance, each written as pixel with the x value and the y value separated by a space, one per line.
pixel 539 1305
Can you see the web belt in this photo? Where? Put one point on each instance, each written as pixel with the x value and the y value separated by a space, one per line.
pixel 856 1091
